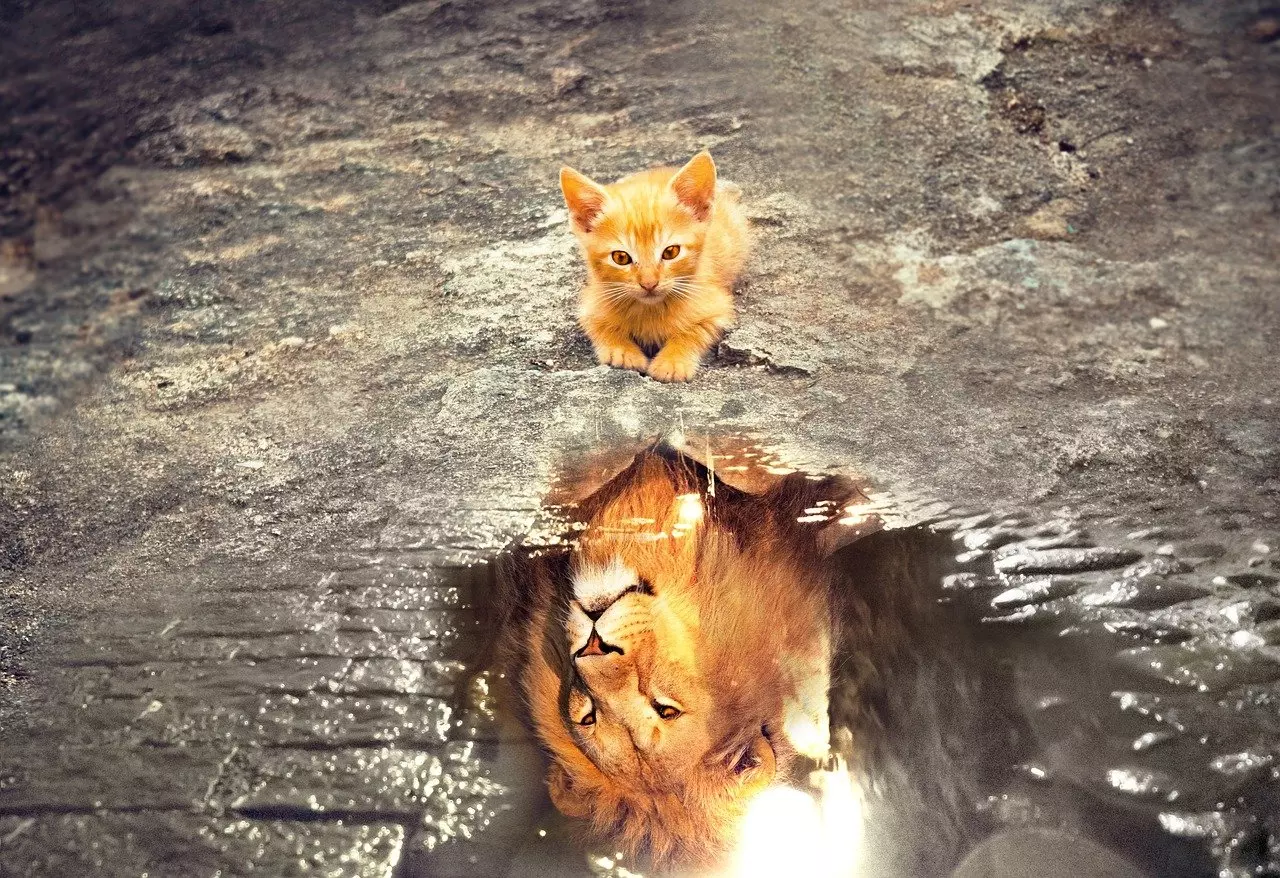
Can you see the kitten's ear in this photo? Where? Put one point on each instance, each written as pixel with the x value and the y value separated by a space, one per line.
pixel 695 185
pixel 584 197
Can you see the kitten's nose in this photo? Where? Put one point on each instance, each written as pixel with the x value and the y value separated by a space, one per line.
pixel 649 286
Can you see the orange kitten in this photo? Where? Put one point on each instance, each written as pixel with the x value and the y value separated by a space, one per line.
pixel 663 248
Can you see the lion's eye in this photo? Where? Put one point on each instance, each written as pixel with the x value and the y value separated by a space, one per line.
pixel 671 252
pixel 666 711
pixel 621 257
pixel 588 720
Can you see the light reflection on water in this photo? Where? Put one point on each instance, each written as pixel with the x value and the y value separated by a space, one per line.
pixel 787 830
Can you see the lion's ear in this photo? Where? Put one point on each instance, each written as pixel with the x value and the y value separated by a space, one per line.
pixel 806 507
pixel 790 497
pixel 570 800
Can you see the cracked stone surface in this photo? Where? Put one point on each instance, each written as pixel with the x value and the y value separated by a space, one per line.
pixel 286 344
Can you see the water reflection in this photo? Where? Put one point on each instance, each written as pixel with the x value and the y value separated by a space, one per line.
pixel 746 670
pixel 675 657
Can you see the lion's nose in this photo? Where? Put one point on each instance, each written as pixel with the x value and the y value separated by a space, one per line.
pixel 596 646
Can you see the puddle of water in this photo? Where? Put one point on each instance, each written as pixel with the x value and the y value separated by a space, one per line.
pixel 863 685
pixel 977 686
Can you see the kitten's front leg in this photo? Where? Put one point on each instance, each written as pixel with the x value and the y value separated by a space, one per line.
pixel 682 354
pixel 614 347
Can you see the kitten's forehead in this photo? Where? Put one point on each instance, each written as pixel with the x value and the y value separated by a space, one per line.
pixel 640 235
pixel 642 240
pixel 642 217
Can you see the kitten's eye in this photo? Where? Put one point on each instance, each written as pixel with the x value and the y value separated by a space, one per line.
pixel 666 711
pixel 671 252
pixel 588 720
pixel 621 257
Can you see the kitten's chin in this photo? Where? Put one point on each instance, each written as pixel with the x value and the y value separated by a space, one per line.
pixel 647 298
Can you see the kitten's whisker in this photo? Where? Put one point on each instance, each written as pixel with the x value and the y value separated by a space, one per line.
pixel 613 292
pixel 686 288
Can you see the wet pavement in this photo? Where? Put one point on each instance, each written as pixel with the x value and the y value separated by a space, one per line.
pixel 287 362
pixel 304 715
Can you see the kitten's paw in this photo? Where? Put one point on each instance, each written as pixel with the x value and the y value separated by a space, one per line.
pixel 670 368
pixel 623 358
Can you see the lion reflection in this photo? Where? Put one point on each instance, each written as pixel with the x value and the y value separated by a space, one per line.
pixel 674 659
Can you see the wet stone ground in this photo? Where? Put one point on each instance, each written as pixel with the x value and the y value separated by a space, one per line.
pixel 285 349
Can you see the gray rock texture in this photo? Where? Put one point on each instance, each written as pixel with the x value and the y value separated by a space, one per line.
pixel 286 343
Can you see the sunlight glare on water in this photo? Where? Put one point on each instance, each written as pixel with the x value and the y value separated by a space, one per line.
pixel 689 513
pixel 782 832
pixel 787 832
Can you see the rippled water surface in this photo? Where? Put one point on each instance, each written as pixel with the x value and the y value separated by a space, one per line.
pixel 334 716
